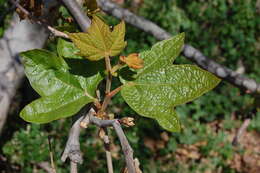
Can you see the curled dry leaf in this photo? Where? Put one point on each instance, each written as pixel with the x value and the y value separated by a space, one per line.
pixel 133 60
pixel 164 136
pixel 101 133
pixel 127 121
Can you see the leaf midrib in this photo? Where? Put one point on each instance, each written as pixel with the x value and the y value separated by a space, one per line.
pixel 103 38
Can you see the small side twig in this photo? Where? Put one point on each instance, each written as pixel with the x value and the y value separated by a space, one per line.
pixel 241 131
pixel 81 18
pixel 51 156
pixel 108 97
pixel 54 31
pixel 137 166
pixel 109 76
pixel 108 154
pixel 45 166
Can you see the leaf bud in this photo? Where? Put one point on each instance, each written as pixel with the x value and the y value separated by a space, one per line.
pixel 133 60
pixel 127 121
pixel 101 133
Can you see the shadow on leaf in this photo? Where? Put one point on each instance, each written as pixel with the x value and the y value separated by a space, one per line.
pixel 84 67
pixel 127 74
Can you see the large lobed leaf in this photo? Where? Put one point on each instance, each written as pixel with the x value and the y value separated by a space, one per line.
pixel 63 88
pixel 160 86
pixel 99 41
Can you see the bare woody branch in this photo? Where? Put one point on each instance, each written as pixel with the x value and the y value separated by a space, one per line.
pixel 54 31
pixel 108 153
pixel 241 131
pixel 72 149
pixel 128 151
pixel 242 82
pixel 19 37
pixel 81 18
pixel 45 166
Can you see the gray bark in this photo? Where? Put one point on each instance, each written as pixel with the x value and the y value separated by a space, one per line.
pixel 19 37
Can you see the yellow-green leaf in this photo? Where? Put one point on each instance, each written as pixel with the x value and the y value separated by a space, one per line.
pixel 100 41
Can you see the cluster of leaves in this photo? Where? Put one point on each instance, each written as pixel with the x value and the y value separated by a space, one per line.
pixel 195 116
pixel 151 91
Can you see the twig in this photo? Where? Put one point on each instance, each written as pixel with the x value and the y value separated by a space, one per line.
pixel 241 131
pixel 250 85
pixel 51 156
pixel 109 162
pixel 73 167
pixel 137 166
pixel 54 31
pixel 72 149
pixel 108 153
pixel 128 151
pixel 45 166
pixel 109 76
pixel 107 99
pixel 81 18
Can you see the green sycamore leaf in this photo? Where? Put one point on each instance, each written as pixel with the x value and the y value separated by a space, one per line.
pixel 99 41
pixel 160 85
pixel 67 49
pixel 63 90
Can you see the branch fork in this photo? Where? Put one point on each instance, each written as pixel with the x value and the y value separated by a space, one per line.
pixel 72 149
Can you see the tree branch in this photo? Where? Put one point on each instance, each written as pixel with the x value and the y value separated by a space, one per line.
pixel 72 149
pixel 241 131
pixel 81 18
pixel 128 152
pixel 20 36
pixel 108 153
pixel 54 31
pixel 191 53
pixel 45 166
pixel 73 167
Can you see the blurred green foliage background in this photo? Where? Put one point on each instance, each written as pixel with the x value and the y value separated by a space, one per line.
pixel 227 31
